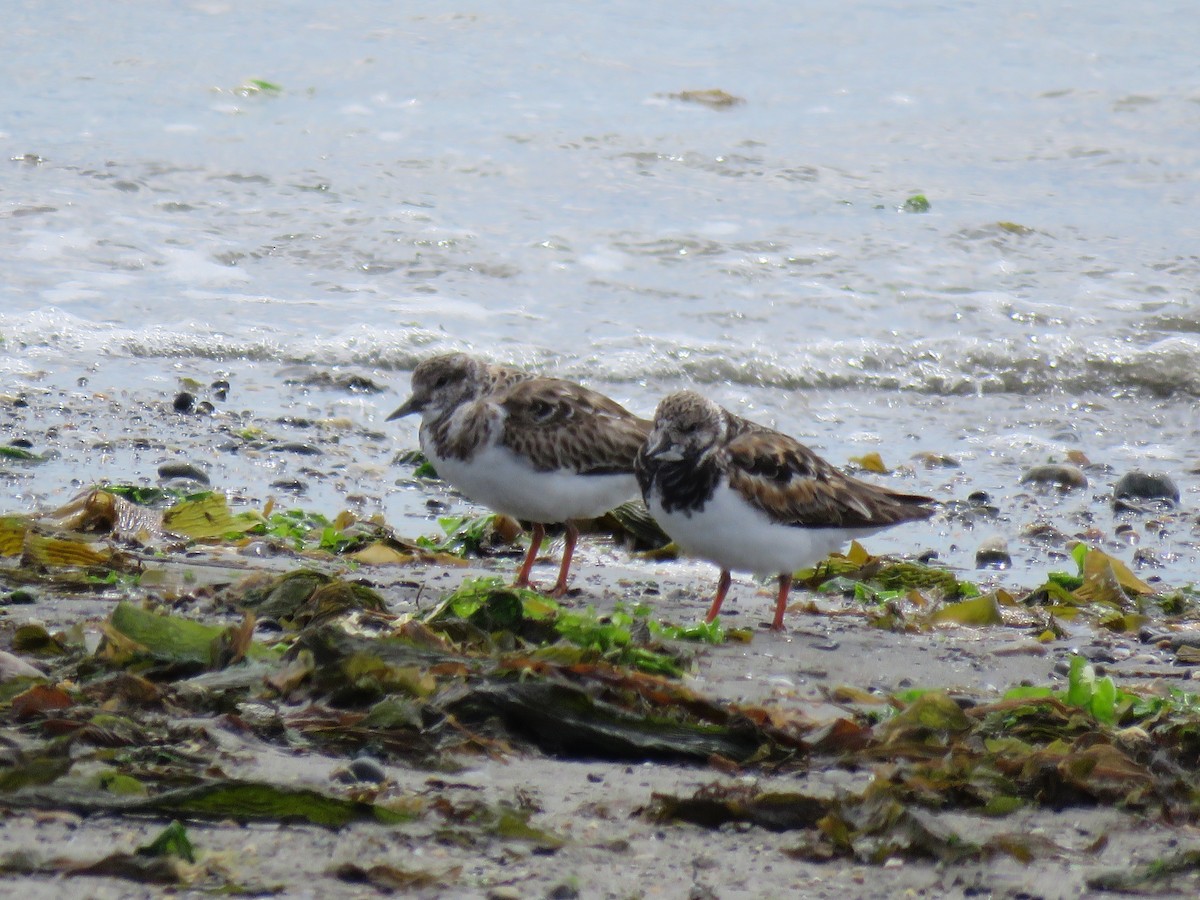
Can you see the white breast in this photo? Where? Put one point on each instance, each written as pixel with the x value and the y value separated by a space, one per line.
pixel 734 535
pixel 506 483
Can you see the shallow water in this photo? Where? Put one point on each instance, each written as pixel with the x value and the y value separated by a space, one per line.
pixel 524 180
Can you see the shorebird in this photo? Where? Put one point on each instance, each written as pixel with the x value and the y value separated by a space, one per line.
pixel 542 450
pixel 750 498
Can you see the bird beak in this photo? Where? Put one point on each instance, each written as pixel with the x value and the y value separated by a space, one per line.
pixel 658 446
pixel 410 406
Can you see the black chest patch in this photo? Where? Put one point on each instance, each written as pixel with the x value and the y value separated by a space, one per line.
pixel 684 485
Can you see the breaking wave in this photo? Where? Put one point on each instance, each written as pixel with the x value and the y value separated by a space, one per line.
pixel 1059 363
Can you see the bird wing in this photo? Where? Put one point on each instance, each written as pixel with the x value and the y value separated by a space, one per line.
pixel 558 424
pixel 794 486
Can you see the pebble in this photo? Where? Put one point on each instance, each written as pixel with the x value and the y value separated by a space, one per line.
pixel 220 389
pixel 1185 639
pixel 993 554
pixel 1144 492
pixel 292 485
pixel 937 461
pixel 297 447
pixel 1144 659
pixel 182 470
pixel 259 549
pixel 184 402
pixel 1096 653
pixel 1145 558
pixel 1021 648
pixel 1062 476
pixel 367 768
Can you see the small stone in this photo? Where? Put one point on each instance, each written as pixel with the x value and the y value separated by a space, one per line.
pixel 182 470
pixel 932 460
pixel 297 447
pixel 1044 532
pixel 993 554
pixel 367 768
pixel 291 485
pixel 563 891
pixel 259 550
pixel 1021 648
pixel 1145 558
pixel 1185 639
pixel 220 389
pixel 1063 477
pixel 1098 654
pixel 184 402
pixel 1145 492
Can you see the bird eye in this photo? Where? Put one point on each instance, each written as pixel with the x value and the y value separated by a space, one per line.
pixel 441 381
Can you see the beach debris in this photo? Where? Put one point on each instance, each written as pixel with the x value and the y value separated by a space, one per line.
pixel 713 98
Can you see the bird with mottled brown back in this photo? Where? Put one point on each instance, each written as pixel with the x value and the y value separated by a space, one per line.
pixel 750 498
pixel 543 450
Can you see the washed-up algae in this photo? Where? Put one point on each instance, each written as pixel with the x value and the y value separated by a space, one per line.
pixel 308 660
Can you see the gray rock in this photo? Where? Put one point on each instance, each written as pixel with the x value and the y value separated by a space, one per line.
pixel 367 768
pixel 1145 492
pixel 1064 477
pixel 1189 638
pixel 993 554
pixel 182 470
pixel 297 447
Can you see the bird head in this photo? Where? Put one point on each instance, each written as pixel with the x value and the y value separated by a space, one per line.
pixel 686 425
pixel 442 382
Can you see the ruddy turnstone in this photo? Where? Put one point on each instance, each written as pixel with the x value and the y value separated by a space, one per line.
pixel 538 449
pixel 747 497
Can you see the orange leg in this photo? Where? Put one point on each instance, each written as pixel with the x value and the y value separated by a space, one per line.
pixel 535 543
pixel 560 586
pixel 722 590
pixel 785 586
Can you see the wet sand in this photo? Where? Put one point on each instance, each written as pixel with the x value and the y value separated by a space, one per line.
pixel 612 848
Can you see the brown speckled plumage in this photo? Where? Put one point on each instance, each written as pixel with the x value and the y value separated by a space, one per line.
pixel 750 498
pixel 540 449
pixel 772 471
pixel 557 424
